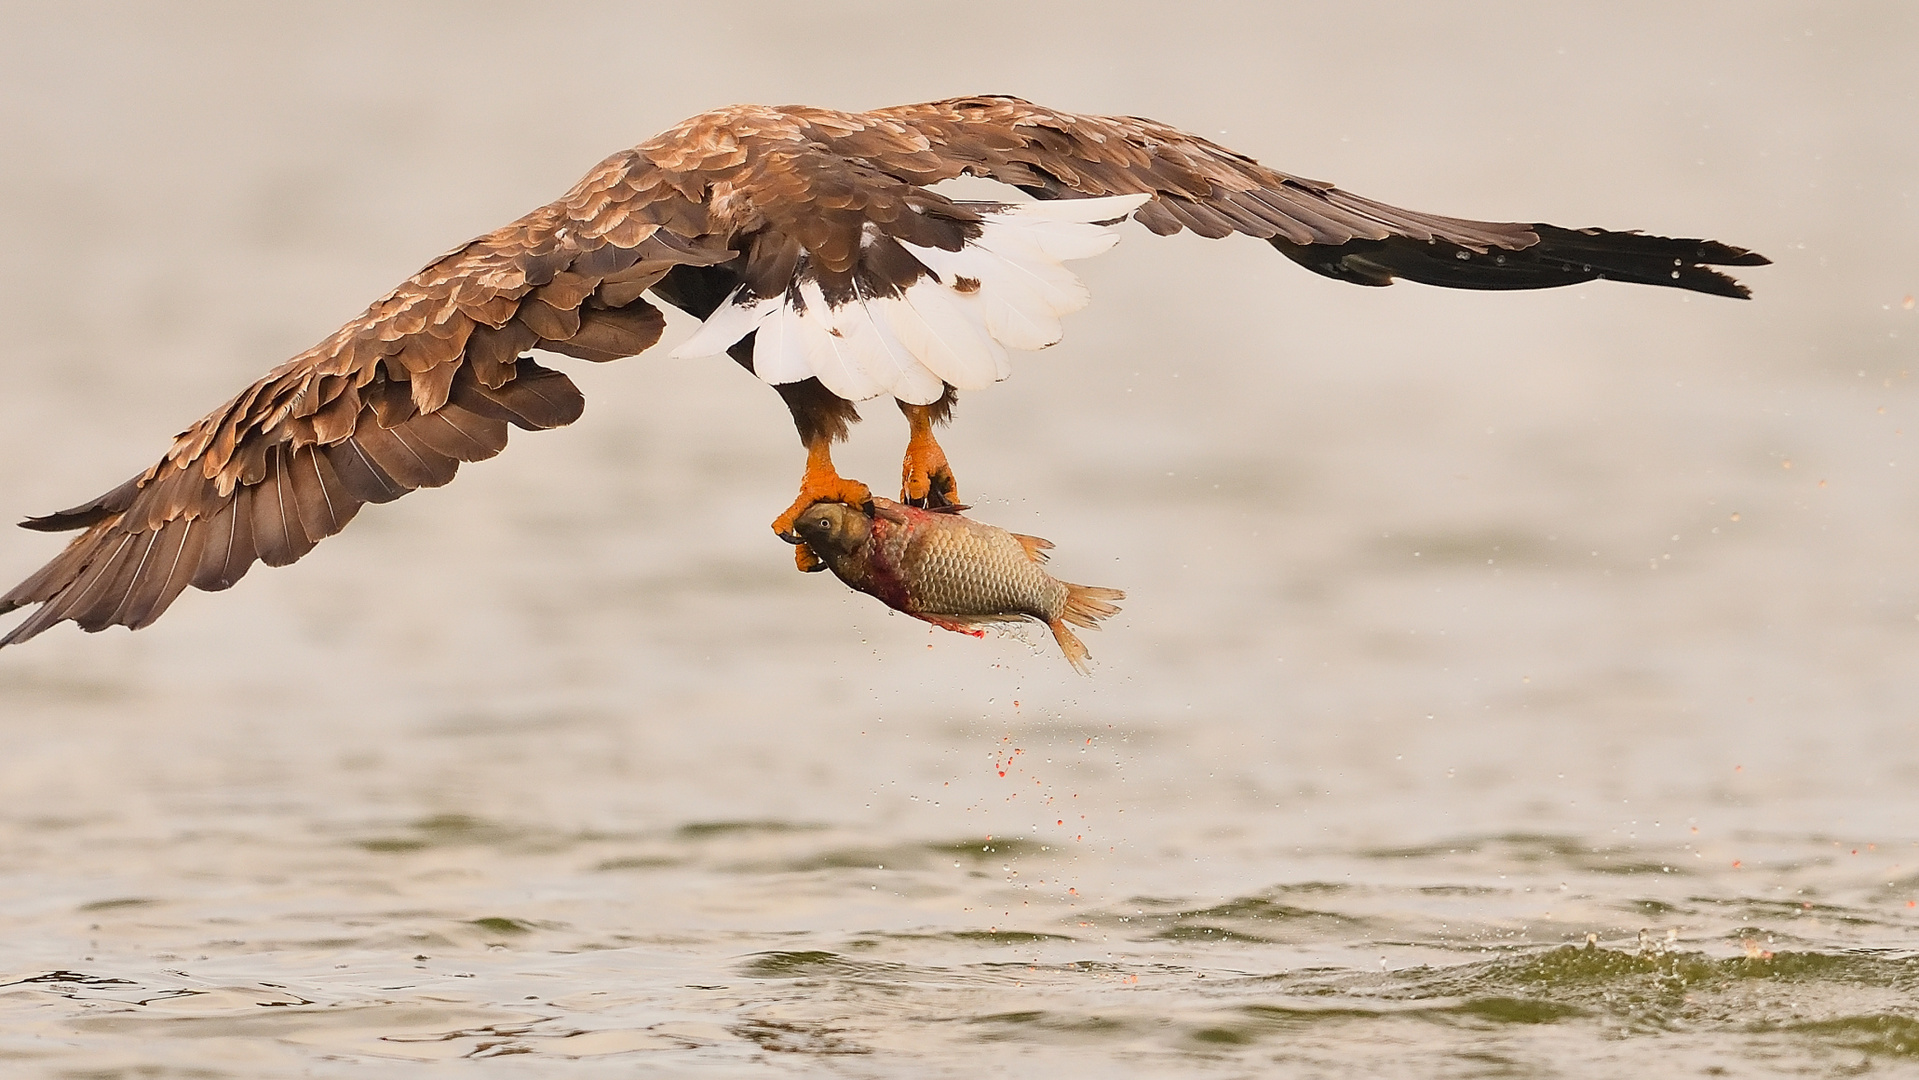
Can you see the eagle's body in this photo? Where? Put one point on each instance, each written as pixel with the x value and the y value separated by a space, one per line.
pixel 811 244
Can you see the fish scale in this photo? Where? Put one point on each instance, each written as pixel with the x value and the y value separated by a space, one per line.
pixel 974 570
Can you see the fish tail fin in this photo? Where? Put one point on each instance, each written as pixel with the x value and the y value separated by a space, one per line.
pixel 1085 606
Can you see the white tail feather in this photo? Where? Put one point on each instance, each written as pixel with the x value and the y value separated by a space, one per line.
pixel 870 338
pixel 1004 289
pixel 1058 241
pixel 829 354
pixel 1017 312
pixel 779 352
pixel 952 340
pixel 729 322
pixel 1053 287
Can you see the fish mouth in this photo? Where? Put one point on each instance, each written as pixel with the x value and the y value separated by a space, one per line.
pixel 791 537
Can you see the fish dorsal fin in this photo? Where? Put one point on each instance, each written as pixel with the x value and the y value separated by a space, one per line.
pixel 1035 547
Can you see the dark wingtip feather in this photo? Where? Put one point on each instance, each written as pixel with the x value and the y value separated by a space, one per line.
pixel 1714 253
pixel 1559 257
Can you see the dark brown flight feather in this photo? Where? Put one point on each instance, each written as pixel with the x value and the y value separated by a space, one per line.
pixel 432 374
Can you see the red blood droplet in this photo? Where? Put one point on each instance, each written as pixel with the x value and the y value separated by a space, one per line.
pixel 1735 864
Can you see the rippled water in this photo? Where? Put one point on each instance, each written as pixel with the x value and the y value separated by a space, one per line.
pixel 1508 685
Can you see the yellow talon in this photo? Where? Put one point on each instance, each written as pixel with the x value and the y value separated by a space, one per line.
pixel 820 483
pixel 925 477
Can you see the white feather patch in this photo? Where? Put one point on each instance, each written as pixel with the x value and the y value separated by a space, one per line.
pixel 829 353
pixel 1020 303
pixel 949 336
pixel 868 332
pixel 779 352
pixel 729 322
pixel 1004 289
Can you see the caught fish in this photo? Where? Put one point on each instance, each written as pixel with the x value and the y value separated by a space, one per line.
pixel 952 571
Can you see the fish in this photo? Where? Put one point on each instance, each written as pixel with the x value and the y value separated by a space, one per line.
pixel 952 571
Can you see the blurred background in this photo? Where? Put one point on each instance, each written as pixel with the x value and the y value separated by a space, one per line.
pixel 1444 601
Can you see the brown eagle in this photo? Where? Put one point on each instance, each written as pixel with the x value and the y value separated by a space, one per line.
pixel 815 250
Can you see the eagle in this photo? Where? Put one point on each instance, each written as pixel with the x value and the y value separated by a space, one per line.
pixel 817 253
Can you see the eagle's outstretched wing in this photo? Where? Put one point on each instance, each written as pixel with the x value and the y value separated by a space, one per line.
pixel 1200 185
pixel 428 377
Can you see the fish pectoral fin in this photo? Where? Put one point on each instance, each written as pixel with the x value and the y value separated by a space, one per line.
pixel 1036 548
pixel 956 624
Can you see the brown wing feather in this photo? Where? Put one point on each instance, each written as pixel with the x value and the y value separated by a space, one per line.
pixel 1198 184
pixel 1202 186
pixel 429 377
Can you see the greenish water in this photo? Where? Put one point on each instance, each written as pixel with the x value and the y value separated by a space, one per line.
pixel 782 945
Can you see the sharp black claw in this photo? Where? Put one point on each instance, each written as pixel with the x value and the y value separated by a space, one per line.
pixel 790 537
pixel 937 501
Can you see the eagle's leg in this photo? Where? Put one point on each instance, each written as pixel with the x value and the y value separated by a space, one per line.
pixel 821 417
pixel 925 477
pixel 821 482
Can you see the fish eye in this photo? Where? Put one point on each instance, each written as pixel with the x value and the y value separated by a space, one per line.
pixel 824 522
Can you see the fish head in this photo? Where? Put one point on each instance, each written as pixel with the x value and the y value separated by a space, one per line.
pixel 833 529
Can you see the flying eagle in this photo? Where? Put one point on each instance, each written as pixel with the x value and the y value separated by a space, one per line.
pixel 813 247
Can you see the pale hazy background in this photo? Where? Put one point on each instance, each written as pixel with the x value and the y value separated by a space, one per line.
pixel 1404 564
